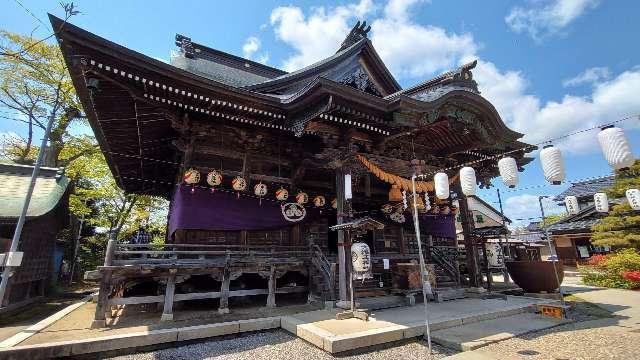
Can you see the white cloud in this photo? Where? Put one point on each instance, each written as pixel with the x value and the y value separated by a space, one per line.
pixel 317 36
pixel 523 209
pixel 523 112
pixel 589 76
pixel 409 49
pixel 251 47
pixel 415 50
pixel 544 18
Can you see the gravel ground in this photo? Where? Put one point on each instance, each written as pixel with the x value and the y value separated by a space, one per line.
pixel 594 339
pixel 278 344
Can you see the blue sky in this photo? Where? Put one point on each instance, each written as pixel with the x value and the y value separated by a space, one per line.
pixel 550 67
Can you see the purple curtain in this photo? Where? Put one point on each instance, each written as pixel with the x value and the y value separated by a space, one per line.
pixel 437 225
pixel 222 210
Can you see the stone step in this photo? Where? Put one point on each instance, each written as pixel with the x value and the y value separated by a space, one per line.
pixel 478 334
pixel 449 293
pixel 381 302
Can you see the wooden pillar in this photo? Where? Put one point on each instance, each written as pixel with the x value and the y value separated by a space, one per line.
pixel 167 312
pixel 469 243
pixel 342 277
pixel 224 291
pixel 403 241
pixel 271 298
pixel 99 318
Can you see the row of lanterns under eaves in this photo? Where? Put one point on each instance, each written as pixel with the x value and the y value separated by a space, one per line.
pixel 239 184
pixel 616 150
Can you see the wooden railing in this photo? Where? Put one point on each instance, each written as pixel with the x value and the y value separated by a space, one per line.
pixel 132 254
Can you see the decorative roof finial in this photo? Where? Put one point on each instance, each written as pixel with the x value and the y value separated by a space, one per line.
pixel 358 32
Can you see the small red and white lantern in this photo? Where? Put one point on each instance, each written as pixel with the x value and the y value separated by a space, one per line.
pixel 319 201
pixel 387 208
pixel 601 202
pixel 282 194
pixel 260 190
pixel 214 178
pixel 239 184
pixel 191 177
pixel 302 198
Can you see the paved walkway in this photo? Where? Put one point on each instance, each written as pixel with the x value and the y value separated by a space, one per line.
pixel 616 337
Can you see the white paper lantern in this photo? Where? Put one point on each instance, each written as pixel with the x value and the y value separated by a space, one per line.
pixel 191 176
pixel 552 164
pixel 260 189
pixel 441 183
pixel 633 196
pixel 601 202
pixel 214 178
pixel 468 180
pixel 508 171
pixel 347 187
pixel 615 147
pixel 571 202
pixel 361 257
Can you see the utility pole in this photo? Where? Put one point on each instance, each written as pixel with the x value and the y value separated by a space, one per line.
pixel 505 273
pixel 8 270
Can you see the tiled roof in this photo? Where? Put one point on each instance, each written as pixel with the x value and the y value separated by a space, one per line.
pixel 50 187
pixel 580 221
pixel 586 188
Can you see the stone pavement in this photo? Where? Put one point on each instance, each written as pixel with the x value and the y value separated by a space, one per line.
pixel 323 330
pixel 616 337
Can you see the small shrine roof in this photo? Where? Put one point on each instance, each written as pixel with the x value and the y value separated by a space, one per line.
pixel 361 223
pixel 49 190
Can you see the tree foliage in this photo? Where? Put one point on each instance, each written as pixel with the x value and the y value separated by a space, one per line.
pixel 622 225
pixel 35 86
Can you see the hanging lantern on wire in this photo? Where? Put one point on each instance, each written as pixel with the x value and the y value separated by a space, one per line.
pixel 508 171
pixel 214 178
pixel 282 194
pixel 239 184
pixel 615 147
pixel 334 203
pixel 633 197
pixel 441 183
pixel 468 181
pixel 394 194
pixel 260 190
pixel 571 202
pixel 552 164
pixel 191 177
pixel 302 198
pixel 601 202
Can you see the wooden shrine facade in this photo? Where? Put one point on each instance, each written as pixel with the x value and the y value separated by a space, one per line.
pixel 301 131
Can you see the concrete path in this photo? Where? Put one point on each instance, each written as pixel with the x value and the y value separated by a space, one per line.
pixel 476 335
pixel 623 304
pixel 323 330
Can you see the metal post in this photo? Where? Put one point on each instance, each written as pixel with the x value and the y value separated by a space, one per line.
pixel 426 286
pixel 505 273
pixel 7 272
pixel 342 285
pixel 551 249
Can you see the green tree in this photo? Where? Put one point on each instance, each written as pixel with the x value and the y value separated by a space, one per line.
pixel 35 86
pixel 622 225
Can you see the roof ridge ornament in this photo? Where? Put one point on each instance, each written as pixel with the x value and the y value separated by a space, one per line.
pixel 357 33
pixel 186 46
